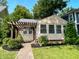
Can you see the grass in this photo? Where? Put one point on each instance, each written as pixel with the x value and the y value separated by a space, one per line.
pixel 57 52
pixel 7 54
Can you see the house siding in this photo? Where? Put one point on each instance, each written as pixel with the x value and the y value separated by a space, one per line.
pixel 53 36
pixel 26 37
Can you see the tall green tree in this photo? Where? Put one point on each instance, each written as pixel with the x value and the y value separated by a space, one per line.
pixel 20 12
pixel 45 8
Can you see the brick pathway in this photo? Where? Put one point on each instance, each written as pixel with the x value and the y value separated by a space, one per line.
pixel 25 52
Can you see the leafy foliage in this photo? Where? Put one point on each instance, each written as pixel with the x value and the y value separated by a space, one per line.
pixel 5 40
pixel 64 11
pixel 70 33
pixel 3 2
pixel 5 28
pixel 43 40
pixel 77 41
pixel 20 12
pixel 13 44
pixel 19 39
pixel 45 8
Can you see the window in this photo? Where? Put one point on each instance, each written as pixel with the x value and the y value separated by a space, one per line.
pixel 78 28
pixel 30 31
pixel 51 29
pixel 77 17
pixel 43 29
pixel 27 30
pixel 58 29
pixel 71 18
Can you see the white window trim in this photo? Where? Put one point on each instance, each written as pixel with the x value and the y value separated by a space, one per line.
pixel 54 29
pixel 61 29
pixel 40 28
pixel 27 30
pixel 47 29
pixel 70 15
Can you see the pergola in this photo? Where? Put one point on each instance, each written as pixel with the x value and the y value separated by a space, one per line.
pixel 16 26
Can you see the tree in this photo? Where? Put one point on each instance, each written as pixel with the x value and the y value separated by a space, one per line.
pixel 70 33
pixel 5 27
pixel 3 2
pixel 64 11
pixel 45 8
pixel 20 12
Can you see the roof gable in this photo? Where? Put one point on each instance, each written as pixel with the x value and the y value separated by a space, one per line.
pixel 54 19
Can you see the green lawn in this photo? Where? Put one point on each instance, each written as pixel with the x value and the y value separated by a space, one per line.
pixel 57 52
pixel 7 54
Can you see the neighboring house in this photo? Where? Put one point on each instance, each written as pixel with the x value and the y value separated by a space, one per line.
pixel 30 29
pixel 73 16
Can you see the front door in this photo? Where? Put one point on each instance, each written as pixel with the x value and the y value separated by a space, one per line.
pixel 27 34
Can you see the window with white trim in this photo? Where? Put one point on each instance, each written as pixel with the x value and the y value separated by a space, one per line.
pixel 71 17
pixel 77 14
pixel 43 29
pixel 58 29
pixel 27 30
pixel 51 29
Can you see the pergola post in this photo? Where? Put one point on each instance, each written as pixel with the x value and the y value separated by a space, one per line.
pixel 16 32
pixel 12 31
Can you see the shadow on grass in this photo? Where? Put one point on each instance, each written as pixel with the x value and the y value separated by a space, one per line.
pixel 5 47
pixel 49 45
pixel 76 47
pixel 60 46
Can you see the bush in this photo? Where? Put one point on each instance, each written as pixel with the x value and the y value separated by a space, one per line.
pixel 70 33
pixel 0 41
pixel 43 40
pixel 77 41
pixel 70 40
pixel 19 39
pixel 5 40
pixel 13 44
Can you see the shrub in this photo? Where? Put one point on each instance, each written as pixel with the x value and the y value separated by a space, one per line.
pixel 77 41
pixel 42 40
pixel 70 40
pixel 19 39
pixel 13 44
pixel 70 33
pixel 5 40
pixel 0 41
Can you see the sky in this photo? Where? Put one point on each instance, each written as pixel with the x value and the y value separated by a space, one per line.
pixel 30 3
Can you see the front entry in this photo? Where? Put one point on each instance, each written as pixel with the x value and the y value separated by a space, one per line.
pixel 27 33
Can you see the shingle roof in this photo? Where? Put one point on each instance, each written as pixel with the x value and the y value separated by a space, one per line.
pixel 2 8
pixel 28 20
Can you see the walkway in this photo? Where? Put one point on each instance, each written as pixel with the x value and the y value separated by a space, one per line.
pixel 25 52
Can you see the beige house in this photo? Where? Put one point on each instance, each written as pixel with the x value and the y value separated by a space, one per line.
pixel 30 29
